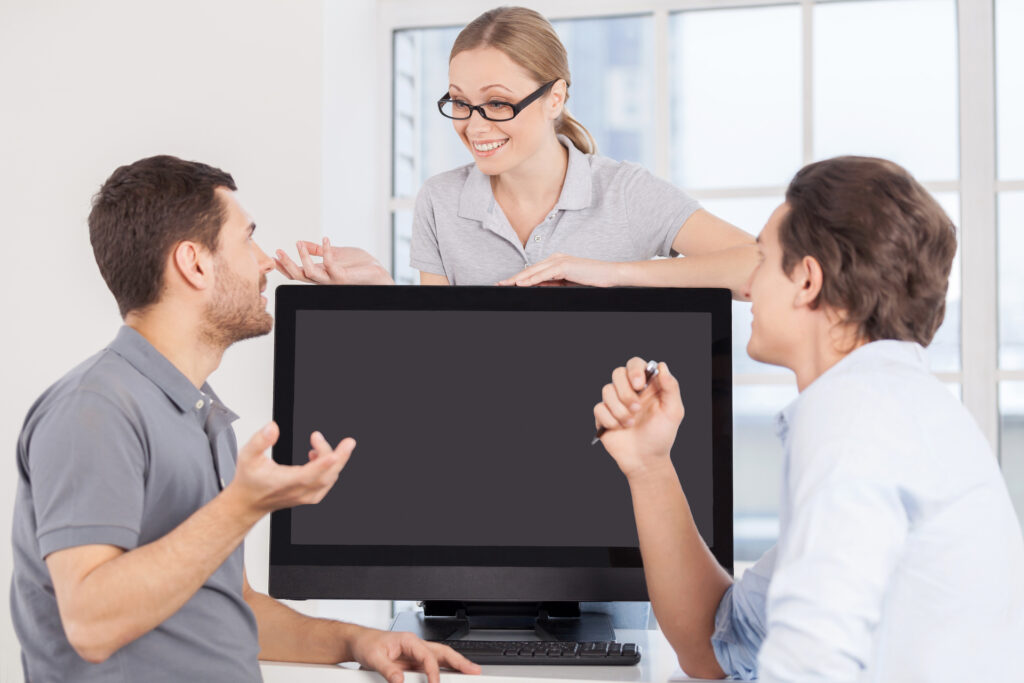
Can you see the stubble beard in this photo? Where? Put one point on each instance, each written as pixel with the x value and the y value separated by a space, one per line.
pixel 236 312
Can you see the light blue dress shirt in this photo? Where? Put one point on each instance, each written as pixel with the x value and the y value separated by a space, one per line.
pixel 900 557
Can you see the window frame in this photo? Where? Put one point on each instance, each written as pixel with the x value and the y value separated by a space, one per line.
pixel 977 184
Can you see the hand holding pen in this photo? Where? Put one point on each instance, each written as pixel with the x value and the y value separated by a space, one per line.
pixel 639 415
pixel 649 373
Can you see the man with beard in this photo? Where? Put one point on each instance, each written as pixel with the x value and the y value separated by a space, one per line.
pixel 133 498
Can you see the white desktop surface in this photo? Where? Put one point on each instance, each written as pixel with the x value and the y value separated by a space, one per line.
pixel 657 665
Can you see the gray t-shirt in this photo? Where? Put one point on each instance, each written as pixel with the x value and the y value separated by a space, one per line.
pixel 121 451
pixel 608 210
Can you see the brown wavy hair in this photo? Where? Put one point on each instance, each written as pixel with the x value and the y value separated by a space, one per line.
pixel 884 244
pixel 529 40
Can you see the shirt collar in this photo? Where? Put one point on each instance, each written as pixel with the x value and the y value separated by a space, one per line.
pixel 477 199
pixel 152 364
pixel 883 352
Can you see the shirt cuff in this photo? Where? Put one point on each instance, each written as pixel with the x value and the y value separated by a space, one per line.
pixel 427 266
pixel 91 534
pixel 735 652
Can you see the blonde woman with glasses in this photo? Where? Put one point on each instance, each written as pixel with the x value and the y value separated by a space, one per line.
pixel 538 205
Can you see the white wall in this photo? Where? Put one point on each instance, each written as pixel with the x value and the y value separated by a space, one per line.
pixel 85 87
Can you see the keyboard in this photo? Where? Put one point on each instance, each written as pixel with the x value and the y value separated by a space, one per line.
pixel 546 652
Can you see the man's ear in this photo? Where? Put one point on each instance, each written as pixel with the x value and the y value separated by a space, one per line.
pixel 193 263
pixel 808 276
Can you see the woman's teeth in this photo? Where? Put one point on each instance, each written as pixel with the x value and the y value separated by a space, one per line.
pixel 487 147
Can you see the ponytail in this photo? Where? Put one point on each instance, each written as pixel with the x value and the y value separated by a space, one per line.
pixel 576 132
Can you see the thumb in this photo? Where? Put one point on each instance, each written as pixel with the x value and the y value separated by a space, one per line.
pixel 260 441
pixel 668 391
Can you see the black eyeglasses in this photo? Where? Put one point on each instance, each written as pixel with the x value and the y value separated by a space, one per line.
pixel 492 111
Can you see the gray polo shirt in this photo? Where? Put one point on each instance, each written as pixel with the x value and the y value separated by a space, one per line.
pixel 608 210
pixel 120 451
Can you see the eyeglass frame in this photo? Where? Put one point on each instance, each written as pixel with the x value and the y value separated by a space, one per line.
pixel 479 108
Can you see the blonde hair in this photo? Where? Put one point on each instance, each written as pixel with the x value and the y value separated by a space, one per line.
pixel 529 40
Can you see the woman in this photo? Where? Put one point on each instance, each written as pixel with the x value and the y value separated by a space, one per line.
pixel 538 205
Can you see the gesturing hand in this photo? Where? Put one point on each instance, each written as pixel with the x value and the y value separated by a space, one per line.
pixel 338 265
pixel 392 653
pixel 640 423
pixel 264 486
pixel 562 269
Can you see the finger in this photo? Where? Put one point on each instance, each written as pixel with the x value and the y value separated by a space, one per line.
pixel 313 271
pixel 626 393
pixel 260 441
pixel 313 248
pixel 389 669
pixel 289 267
pixel 669 394
pixel 453 660
pixel 324 450
pixel 616 407
pixel 419 651
pixel 543 273
pixel 635 369
pixel 604 418
pixel 336 270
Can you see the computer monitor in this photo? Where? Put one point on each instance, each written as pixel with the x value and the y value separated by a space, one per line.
pixel 474 480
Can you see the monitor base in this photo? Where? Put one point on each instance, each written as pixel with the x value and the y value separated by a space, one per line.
pixel 548 621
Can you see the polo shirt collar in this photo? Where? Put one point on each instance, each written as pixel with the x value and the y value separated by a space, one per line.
pixel 477 199
pixel 152 364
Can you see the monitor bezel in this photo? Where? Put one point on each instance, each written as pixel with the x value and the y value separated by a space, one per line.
pixel 500 573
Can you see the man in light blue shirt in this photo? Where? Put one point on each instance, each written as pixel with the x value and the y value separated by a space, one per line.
pixel 900 557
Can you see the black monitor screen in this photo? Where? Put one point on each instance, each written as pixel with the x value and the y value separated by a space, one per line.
pixel 473 413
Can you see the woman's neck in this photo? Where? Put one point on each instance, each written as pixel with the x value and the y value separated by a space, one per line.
pixel 538 180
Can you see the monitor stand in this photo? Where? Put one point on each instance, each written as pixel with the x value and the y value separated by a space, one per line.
pixel 559 621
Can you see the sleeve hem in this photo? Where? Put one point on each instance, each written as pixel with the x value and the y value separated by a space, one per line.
pixel 691 208
pixel 92 534
pixel 427 266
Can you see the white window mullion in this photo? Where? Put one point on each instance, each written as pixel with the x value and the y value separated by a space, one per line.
pixel 979 331
pixel 662 97
pixel 807 32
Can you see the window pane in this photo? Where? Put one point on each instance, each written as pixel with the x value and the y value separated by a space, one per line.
pixel 611 60
pixel 944 351
pixel 424 142
pixel 877 93
pixel 1011 440
pixel 401 236
pixel 1010 88
pixel 1011 281
pixel 736 96
pixel 749 213
pixel 757 466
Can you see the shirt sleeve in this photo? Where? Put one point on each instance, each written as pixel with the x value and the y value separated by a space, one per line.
pixel 847 527
pixel 740 623
pixel 655 209
pixel 86 467
pixel 425 251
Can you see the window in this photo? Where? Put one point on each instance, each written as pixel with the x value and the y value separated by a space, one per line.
pixel 728 98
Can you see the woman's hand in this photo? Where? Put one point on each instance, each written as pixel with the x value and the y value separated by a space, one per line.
pixel 640 423
pixel 338 265
pixel 565 269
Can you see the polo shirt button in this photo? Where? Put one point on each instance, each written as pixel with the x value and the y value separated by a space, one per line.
pixel 222 484
pixel 536 238
pixel 199 404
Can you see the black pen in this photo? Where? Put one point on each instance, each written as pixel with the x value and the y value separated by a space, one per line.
pixel 649 372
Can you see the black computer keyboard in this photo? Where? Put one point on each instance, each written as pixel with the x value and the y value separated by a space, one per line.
pixel 546 652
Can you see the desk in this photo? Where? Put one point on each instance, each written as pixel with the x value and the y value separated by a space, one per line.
pixel 657 665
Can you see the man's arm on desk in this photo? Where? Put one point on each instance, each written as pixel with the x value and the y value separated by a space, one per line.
pixel 288 636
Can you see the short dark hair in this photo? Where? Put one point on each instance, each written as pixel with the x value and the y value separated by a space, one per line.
pixel 141 212
pixel 884 244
